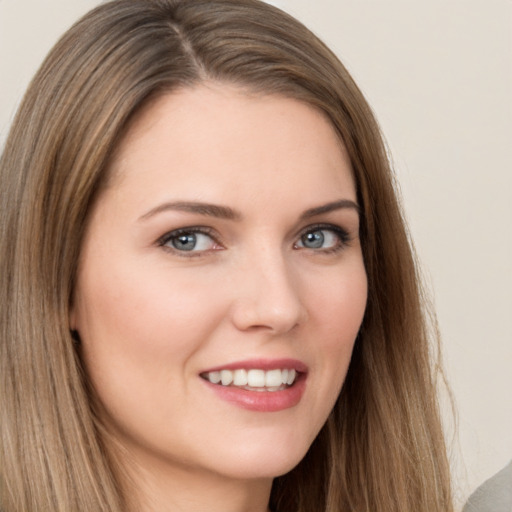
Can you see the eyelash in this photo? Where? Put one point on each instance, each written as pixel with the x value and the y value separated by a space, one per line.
pixel 193 230
pixel 342 235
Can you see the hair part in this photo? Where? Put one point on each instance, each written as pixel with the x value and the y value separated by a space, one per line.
pixel 382 448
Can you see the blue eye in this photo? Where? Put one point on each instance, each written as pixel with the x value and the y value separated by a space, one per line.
pixel 188 240
pixel 324 238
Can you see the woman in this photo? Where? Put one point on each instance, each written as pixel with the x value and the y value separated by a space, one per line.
pixel 209 297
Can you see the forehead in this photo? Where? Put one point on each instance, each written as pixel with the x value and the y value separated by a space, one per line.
pixel 209 138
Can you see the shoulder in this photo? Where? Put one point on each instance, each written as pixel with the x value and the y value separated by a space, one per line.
pixel 494 495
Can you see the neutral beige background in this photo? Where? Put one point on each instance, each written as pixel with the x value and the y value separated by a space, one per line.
pixel 439 76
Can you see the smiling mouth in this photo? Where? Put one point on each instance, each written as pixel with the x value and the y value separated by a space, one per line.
pixel 253 379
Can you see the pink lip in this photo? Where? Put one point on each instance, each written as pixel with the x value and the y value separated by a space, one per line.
pixel 262 401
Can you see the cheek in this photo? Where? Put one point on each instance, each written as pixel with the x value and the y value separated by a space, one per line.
pixel 337 313
pixel 139 309
pixel 339 302
pixel 139 333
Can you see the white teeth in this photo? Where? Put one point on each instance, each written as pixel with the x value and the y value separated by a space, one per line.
pixel 240 378
pixel 226 377
pixel 271 380
pixel 214 377
pixel 256 378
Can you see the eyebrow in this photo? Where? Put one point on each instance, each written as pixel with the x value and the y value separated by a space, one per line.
pixel 330 207
pixel 210 210
pixel 225 212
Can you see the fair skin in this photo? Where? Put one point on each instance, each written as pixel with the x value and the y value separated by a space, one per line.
pixel 265 275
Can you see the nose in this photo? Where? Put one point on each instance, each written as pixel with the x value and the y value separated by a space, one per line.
pixel 267 295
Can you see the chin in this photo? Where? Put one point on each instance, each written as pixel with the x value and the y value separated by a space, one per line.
pixel 273 459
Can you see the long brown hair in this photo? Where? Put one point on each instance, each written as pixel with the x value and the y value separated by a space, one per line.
pixel 382 448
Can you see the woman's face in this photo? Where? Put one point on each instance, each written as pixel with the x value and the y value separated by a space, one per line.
pixel 224 247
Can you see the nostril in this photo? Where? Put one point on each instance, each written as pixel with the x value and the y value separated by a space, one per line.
pixel 267 295
pixel 253 315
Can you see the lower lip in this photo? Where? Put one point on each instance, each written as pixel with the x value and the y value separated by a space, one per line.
pixel 261 401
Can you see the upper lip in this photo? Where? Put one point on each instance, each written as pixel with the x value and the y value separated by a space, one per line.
pixel 261 364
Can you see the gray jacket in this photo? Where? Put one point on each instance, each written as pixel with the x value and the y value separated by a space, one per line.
pixel 494 495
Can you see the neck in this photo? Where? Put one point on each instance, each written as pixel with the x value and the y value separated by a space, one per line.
pixel 160 488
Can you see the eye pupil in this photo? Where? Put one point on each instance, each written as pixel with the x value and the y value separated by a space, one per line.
pixel 185 242
pixel 313 240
